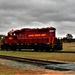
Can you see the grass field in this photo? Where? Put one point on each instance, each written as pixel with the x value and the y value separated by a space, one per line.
pixel 67 54
pixel 69 46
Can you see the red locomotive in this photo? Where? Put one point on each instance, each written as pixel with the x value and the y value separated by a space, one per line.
pixel 36 38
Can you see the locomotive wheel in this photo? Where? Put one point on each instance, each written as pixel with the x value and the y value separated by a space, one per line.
pixel 2 47
pixel 35 49
pixel 47 50
pixel 13 47
pixel 52 50
pixel 6 47
pixel 42 48
pixel 19 49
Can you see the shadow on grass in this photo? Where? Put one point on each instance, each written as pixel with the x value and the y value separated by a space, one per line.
pixel 31 50
pixel 64 52
pixel 48 52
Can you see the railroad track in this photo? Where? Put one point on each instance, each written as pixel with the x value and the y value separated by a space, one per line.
pixel 30 60
pixel 52 65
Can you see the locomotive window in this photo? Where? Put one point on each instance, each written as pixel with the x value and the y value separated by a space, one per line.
pixel 51 30
pixel 10 34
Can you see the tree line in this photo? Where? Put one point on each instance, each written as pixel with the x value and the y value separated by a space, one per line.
pixel 69 38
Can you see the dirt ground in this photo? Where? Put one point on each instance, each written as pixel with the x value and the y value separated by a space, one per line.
pixel 46 72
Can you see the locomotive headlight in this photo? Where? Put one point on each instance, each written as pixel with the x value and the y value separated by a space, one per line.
pixel 11 34
pixel 14 34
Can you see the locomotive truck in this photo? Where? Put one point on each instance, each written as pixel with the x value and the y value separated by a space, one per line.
pixel 36 38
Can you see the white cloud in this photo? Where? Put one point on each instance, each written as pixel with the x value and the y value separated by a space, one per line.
pixel 38 13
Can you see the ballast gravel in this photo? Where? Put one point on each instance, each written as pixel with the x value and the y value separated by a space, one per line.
pixel 22 65
pixel 26 65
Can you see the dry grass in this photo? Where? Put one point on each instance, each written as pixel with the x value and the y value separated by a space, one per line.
pixel 69 46
pixel 43 55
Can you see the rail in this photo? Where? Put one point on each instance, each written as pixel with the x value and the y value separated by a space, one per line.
pixel 52 65
pixel 30 60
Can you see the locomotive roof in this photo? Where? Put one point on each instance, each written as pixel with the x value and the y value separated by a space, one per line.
pixel 28 29
pixel 48 28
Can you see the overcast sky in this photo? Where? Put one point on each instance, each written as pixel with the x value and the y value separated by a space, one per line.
pixel 16 14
